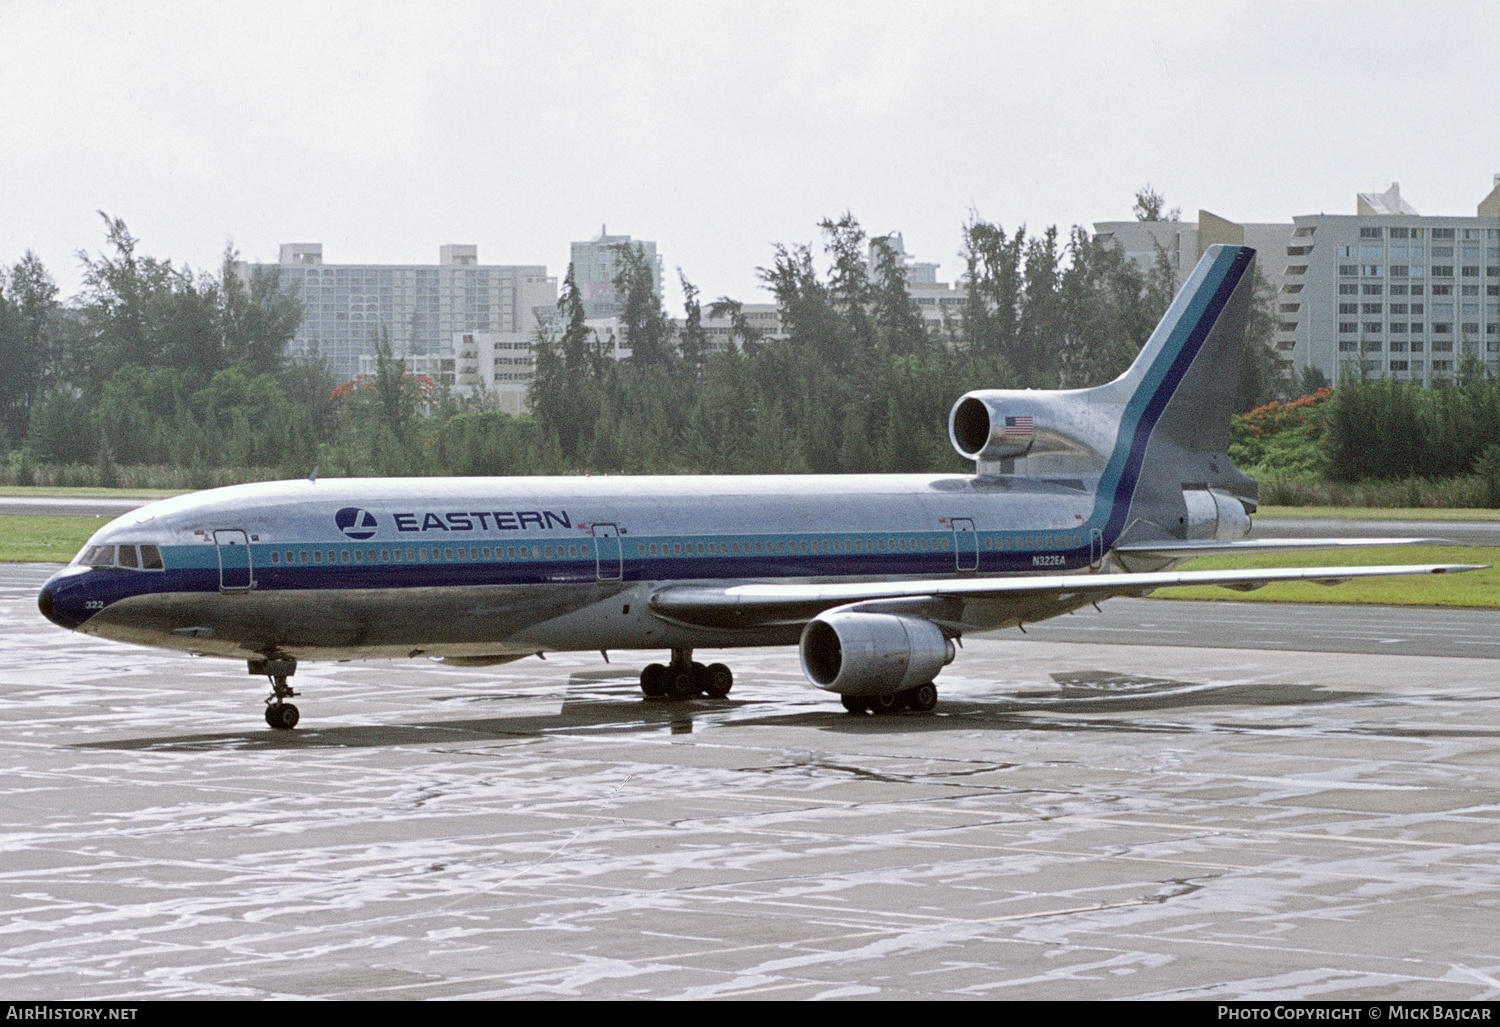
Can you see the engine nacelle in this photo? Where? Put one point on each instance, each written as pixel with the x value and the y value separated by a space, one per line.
pixel 1213 515
pixel 980 427
pixel 872 653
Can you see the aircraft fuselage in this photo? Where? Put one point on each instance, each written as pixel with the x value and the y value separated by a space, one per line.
pixel 487 567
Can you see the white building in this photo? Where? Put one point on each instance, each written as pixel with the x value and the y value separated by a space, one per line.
pixel 1183 242
pixel 596 265
pixel 1386 292
pixel 426 309
pixel 939 303
pixel 762 318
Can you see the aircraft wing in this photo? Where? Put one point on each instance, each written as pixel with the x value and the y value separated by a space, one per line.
pixel 759 604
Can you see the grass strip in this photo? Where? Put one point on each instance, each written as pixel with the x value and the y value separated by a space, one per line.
pixel 1473 589
pixel 1379 513
pixel 28 539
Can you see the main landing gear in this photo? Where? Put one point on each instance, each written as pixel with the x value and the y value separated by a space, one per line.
pixel 684 679
pixel 922 699
pixel 280 714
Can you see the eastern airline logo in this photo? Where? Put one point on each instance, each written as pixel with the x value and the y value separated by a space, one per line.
pixel 356 523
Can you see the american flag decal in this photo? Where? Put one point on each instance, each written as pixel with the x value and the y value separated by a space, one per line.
pixel 1017 427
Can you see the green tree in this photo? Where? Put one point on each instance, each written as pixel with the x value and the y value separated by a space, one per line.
pixel 28 329
pixel 807 313
pixel 742 334
pixel 991 311
pixel 258 319
pixel 644 323
pixel 849 290
pixel 898 322
pixel 1259 380
pixel 1151 205
pixel 1042 322
pixel 694 346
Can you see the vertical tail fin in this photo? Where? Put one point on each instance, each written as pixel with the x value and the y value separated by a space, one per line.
pixel 1169 460
pixel 1186 376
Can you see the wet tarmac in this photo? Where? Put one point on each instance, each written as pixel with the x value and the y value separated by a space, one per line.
pixel 1076 820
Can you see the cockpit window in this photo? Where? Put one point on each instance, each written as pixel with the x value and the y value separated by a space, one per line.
pixel 128 556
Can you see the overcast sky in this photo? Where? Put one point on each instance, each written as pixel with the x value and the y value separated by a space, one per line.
pixel 384 130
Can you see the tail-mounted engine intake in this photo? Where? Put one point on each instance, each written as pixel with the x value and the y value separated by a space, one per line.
pixel 981 428
pixel 872 653
pixel 1021 431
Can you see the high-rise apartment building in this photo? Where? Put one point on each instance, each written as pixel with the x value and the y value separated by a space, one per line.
pixel 596 265
pixel 1181 243
pixel 1386 292
pixel 471 325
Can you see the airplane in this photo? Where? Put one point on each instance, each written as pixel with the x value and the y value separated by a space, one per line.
pixel 1077 496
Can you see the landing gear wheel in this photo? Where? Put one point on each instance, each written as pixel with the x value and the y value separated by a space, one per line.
pixel 717 681
pixel 654 681
pixel 680 683
pixel 892 703
pixel 282 716
pixel 922 698
pixel 855 705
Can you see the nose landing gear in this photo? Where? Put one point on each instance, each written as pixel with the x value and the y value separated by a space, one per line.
pixel 280 714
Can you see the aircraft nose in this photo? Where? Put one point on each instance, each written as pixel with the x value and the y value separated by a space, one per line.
pixel 47 603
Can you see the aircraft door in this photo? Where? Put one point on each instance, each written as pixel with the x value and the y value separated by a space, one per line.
pixel 965 544
pixel 607 549
pixel 235 572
